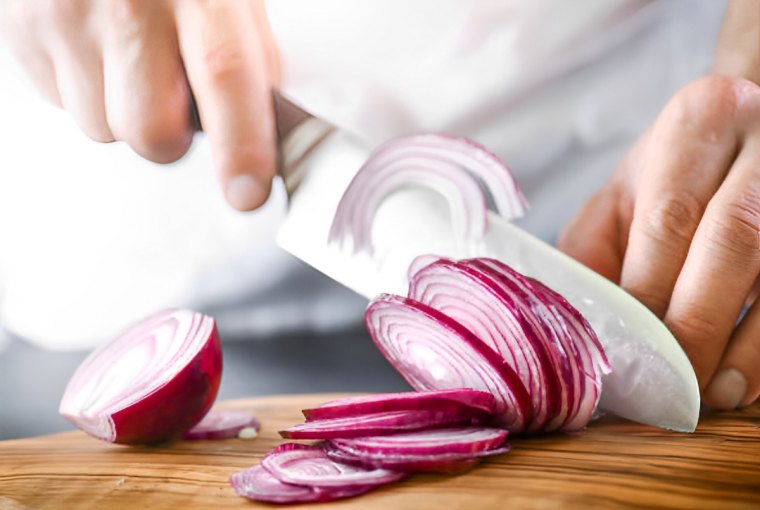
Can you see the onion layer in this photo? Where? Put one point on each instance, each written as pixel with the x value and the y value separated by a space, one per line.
pixel 259 484
pixel 468 175
pixel 412 463
pixel 377 423
pixel 480 404
pixel 151 384
pixel 464 440
pixel 309 465
pixel 224 425
pixel 432 351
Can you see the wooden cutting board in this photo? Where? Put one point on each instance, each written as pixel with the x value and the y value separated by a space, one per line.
pixel 613 464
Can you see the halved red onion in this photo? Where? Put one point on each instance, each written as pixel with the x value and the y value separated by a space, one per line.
pixel 411 463
pixel 260 485
pixel 482 405
pixel 469 176
pixel 309 465
pixel 150 384
pixel 377 423
pixel 224 425
pixel 432 351
pixel 428 442
pixel 484 307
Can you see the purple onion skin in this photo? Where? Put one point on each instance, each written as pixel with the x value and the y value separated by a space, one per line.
pixel 170 411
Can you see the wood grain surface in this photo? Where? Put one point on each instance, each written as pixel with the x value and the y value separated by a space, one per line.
pixel 613 464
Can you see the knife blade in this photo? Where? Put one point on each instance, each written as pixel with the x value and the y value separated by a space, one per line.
pixel 652 380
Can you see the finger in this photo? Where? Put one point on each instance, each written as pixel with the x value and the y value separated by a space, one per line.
pixel 721 267
pixel 227 73
pixel 688 156
pixel 21 32
pixel 737 381
pixel 595 237
pixel 147 96
pixel 38 67
pixel 78 67
pixel 80 88
pixel 269 47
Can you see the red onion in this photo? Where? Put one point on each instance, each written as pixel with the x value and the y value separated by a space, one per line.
pixel 224 425
pixel 378 423
pixel 459 400
pixel 497 317
pixel 432 351
pixel 467 174
pixel 571 341
pixel 309 465
pixel 259 484
pixel 465 440
pixel 150 384
pixel 412 463
pixel 512 321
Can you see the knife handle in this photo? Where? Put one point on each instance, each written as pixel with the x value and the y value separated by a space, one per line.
pixel 298 134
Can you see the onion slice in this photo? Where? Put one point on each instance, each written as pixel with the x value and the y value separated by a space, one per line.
pixel 376 423
pixel 260 485
pixel 499 316
pixel 465 440
pixel 224 425
pixel 469 176
pixel 460 400
pixel 432 351
pixel 411 463
pixel 309 465
pixel 571 341
pixel 151 384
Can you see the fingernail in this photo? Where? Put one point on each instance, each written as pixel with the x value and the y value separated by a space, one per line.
pixel 726 390
pixel 243 192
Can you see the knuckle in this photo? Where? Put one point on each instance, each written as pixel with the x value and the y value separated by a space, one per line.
pixel 125 16
pixel 672 220
pixel 223 63
pixel 61 12
pixel 707 105
pixel 697 323
pixel 656 302
pixel 734 231
pixel 694 326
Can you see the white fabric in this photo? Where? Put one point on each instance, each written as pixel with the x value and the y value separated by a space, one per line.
pixel 92 237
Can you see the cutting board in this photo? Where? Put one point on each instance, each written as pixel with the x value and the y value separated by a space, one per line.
pixel 612 464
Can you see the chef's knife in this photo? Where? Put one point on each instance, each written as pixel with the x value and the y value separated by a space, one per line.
pixel 652 380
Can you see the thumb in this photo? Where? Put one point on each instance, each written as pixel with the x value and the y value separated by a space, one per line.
pixel 595 237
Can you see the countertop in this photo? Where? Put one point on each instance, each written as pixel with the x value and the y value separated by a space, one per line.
pixel 612 464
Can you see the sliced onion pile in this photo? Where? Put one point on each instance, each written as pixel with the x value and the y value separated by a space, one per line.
pixel 149 385
pixel 347 464
pixel 477 323
pixel 225 425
